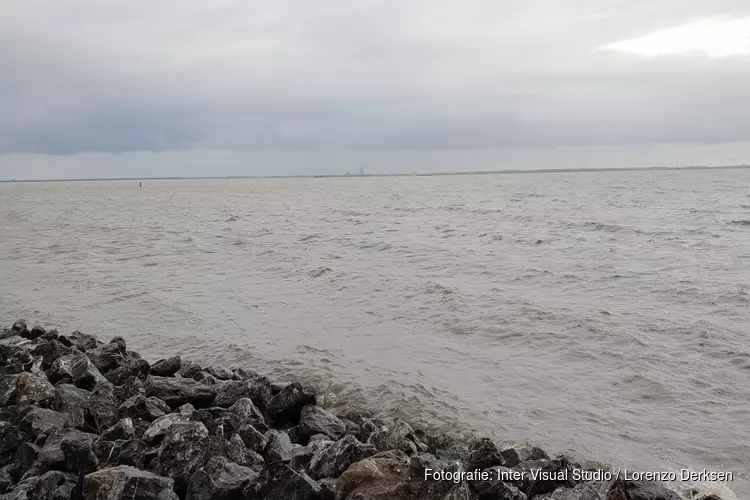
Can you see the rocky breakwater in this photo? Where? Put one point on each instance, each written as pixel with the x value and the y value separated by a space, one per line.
pixel 82 419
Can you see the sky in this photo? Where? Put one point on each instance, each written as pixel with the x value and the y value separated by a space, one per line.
pixel 91 88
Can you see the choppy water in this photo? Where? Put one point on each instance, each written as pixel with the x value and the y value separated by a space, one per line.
pixel 603 314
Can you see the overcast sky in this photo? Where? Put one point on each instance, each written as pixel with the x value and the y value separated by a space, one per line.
pixel 101 88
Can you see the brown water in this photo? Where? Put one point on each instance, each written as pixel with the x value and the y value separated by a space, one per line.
pixel 602 314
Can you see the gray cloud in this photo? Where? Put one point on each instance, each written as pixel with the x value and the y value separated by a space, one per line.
pixel 328 75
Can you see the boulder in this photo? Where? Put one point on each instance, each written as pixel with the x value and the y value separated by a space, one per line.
pixel 126 452
pixel 183 451
pixel 33 389
pixel 49 351
pixel 246 410
pixel 511 457
pixel 279 447
pixel 260 388
pixel 188 369
pixel 119 342
pixel 107 357
pixel 166 367
pixel 228 392
pixel 76 369
pixel 19 326
pixel 132 386
pixel 36 332
pixel 649 490
pixel 69 450
pixel 156 431
pixel 220 478
pixel 332 460
pixel 301 455
pixel 82 341
pixel 286 406
pixel 554 474
pixel 316 420
pixel 239 453
pixel 129 367
pixel 40 421
pixel 125 482
pixel 220 372
pixel 178 391
pixel 73 401
pixel 141 407
pixel 483 454
pixel 252 438
pixel 187 409
pixel 279 482
pixel 54 485
pixel 123 429
pixel 494 488
pixel 101 408
pixel 15 358
pixel 397 436
pixel 7 388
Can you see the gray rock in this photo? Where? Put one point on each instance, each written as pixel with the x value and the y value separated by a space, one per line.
pixel 188 369
pixel 69 450
pixel 483 454
pixel 127 452
pixel 316 420
pixel 132 386
pixel 397 436
pixel 286 406
pixel 228 392
pixel 157 430
pixel 73 401
pixel 178 391
pixel 187 409
pixel 252 438
pixel 279 447
pixel 220 372
pixel 82 341
pixel 34 389
pixel 36 332
pixel 101 410
pixel 140 407
pixel 279 482
pixel 123 429
pixel 333 460
pixel 43 421
pixel 183 451
pixel 49 351
pixel 239 453
pixel 246 410
pixel 54 485
pixel 649 490
pixel 19 326
pixel 125 482
pixel 220 478
pixel 129 367
pixel 166 367
pixel 7 389
pixel 107 357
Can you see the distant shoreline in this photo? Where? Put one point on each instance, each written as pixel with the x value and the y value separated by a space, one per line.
pixel 415 174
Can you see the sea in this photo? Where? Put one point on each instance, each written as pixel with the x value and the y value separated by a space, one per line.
pixel 603 315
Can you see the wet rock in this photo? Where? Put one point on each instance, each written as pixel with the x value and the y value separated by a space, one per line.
pixel 123 429
pixel 142 408
pixel 43 421
pixel 239 453
pixel 69 450
pixel 183 451
pixel 252 438
pixel 132 386
pixel 649 490
pixel 49 351
pixel 119 342
pixel 19 326
pixel 36 332
pixel 24 459
pixel 316 420
pixel 22 490
pixel 188 369
pixel 260 389
pixel 220 478
pixel 397 436
pixel 511 457
pixel 286 406
pixel 6 478
pixel 130 367
pixel 332 460
pixel 279 482
pixel 156 431
pixel 106 358
pixel 73 401
pixel 301 455
pixel 127 452
pixel 178 391
pixel 220 372
pixel 246 410
pixel 82 341
pixel 76 369
pixel 187 409
pixel 101 410
pixel 7 389
pixel 528 453
pixel 227 393
pixel 166 367
pixel 125 482
pixel 54 485
pixel 553 474
pixel 33 389
pixel 15 358
pixel 279 447
pixel 493 488
pixel 483 454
